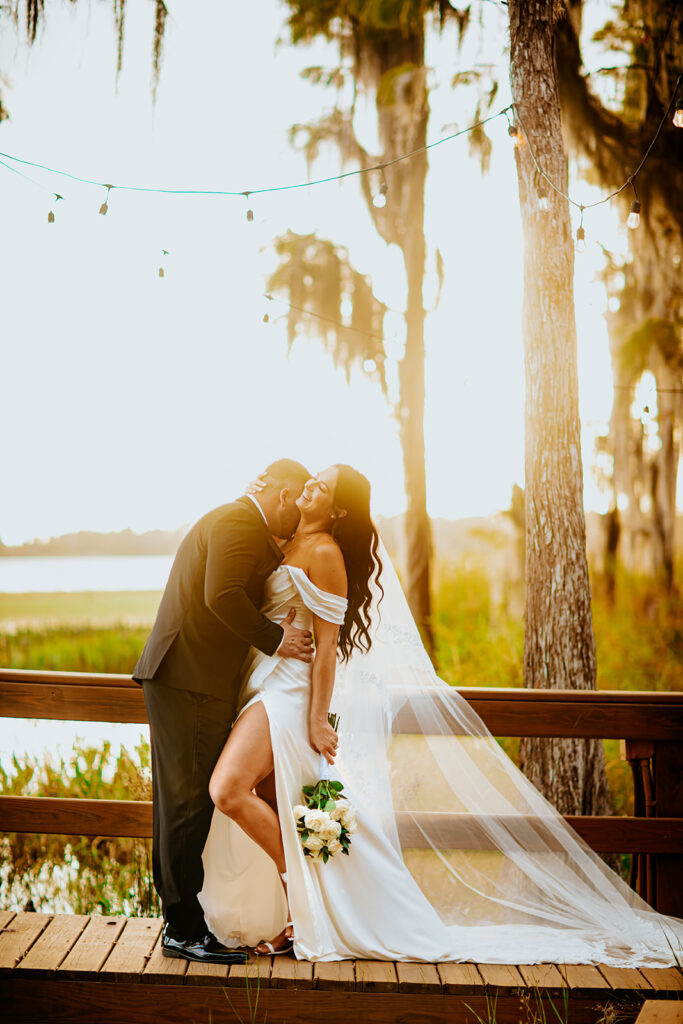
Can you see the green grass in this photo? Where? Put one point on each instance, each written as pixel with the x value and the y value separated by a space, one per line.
pixel 74 650
pixel 77 609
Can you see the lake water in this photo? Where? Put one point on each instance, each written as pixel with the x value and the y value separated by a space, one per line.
pixel 47 575
pixel 120 572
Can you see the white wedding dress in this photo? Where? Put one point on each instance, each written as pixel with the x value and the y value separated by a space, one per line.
pixel 520 886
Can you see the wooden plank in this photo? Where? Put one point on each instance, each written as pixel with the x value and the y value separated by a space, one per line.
pixel 507 712
pixel 80 816
pixel 418 977
pixel 76 816
pixel 668 772
pixel 255 972
pixel 542 976
pixel 519 712
pixel 661 1011
pixel 206 974
pixel 132 951
pixel 30 675
pixel 288 972
pixel 163 969
pixel 66 702
pixel 48 952
pixel 337 974
pixel 460 979
pixel 65 1002
pixel 18 936
pixel 501 976
pixel 584 981
pixel 664 979
pixel 5 917
pixel 92 948
pixel 376 976
pixel 458 831
pixel 625 979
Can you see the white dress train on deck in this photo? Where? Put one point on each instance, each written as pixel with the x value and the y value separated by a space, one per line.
pixel 521 887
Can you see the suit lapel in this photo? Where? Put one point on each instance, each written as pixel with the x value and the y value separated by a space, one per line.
pixel 275 550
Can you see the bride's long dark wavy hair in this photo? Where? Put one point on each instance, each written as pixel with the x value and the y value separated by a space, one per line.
pixel 358 539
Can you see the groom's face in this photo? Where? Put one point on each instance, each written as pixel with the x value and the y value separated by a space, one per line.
pixel 288 511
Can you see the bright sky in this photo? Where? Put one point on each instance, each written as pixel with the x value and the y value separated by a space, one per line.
pixel 131 401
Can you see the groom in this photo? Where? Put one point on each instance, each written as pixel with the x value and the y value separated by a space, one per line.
pixel 190 673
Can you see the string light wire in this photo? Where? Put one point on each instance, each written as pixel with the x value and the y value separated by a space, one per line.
pixel 504 112
pixel 255 191
pixel 631 178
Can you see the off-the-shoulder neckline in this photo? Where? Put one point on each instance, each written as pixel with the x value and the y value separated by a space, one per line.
pixel 327 593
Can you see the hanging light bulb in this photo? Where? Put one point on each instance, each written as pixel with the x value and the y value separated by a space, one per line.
pixel 105 205
pixel 543 201
pixel 51 214
pixel 516 136
pixel 379 199
pixel 678 114
pixel 250 212
pixel 580 239
pixel 634 216
pixel 162 272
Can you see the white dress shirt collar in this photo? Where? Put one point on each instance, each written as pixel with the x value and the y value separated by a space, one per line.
pixel 252 498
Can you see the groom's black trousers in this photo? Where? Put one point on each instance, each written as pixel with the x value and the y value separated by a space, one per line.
pixel 188 731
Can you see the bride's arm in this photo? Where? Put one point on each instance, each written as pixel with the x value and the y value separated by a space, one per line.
pixel 326 570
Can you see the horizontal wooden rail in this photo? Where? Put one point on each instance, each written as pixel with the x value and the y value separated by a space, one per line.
pixel 602 714
pixel 133 818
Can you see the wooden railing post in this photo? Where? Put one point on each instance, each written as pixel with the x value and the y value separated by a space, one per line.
pixel 668 799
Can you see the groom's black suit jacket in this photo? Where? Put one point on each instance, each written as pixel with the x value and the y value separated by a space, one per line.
pixel 208 616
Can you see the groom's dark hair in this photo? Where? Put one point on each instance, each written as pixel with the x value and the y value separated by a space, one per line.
pixel 287 473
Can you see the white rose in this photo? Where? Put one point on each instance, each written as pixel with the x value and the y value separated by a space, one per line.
pixel 313 843
pixel 349 820
pixel 341 805
pixel 330 830
pixel 315 819
pixel 299 811
pixel 334 846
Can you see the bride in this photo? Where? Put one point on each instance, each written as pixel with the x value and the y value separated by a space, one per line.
pixel 456 855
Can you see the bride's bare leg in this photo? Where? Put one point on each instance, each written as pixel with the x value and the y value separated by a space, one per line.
pixel 245 764
pixel 246 760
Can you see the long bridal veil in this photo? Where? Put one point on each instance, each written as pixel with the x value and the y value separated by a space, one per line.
pixel 510 879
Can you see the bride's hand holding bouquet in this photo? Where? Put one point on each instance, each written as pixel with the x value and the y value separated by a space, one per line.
pixel 325 820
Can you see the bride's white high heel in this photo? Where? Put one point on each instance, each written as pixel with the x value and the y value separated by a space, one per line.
pixel 269 945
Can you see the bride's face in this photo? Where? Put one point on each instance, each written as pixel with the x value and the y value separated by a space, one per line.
pixel 316 503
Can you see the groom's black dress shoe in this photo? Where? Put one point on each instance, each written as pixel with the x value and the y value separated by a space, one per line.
pixel 207 950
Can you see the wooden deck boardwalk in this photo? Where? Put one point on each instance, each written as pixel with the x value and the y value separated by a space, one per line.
pixel 76 969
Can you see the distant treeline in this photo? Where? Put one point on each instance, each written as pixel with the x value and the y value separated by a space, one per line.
pixel 125 542
pixel 451 537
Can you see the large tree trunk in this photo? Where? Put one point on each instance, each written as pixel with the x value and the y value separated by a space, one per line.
pixel 559 649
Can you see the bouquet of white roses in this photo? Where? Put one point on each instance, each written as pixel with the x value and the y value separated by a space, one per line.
pixel 325 820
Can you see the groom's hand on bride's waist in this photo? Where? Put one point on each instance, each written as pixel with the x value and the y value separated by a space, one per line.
pixel 296 643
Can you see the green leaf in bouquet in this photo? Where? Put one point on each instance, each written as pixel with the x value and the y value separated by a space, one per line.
pixel 308 790
pixel 305 833
pixel 329 805
pixel 326 855
pixel 345 850
pixel 337 786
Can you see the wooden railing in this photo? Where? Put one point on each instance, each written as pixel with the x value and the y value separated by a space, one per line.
pixel 651 724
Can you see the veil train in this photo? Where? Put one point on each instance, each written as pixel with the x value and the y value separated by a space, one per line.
pixel 498 863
